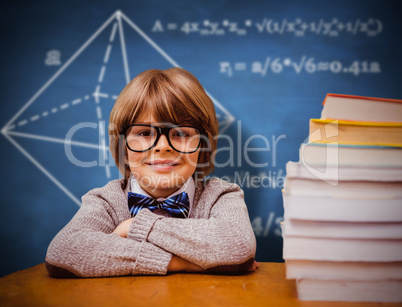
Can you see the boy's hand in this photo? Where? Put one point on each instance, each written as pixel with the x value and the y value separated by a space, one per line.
pixel 178 264
pixel 122 229
pixel 254 266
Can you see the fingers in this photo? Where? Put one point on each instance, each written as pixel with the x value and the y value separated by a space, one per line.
pixel 123 228
pixel 254 266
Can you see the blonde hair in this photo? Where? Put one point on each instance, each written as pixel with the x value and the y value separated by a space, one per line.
pixel 171 96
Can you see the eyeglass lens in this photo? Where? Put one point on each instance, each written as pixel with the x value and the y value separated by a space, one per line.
pixel 183 139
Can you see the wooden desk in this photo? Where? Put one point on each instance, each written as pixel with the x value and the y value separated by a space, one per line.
pixel 265 287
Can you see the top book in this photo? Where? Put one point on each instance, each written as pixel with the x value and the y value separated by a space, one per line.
pixel 359 108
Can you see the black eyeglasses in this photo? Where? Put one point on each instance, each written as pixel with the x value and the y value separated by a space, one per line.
pixel 141 137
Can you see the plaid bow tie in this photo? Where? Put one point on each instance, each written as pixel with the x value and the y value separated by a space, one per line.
pixel 177 206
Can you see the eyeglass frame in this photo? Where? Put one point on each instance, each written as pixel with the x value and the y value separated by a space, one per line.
pixel 164 130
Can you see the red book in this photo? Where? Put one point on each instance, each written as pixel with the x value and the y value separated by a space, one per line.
pixel 359 108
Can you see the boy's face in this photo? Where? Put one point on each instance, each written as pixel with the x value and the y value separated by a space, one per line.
pixel 161 170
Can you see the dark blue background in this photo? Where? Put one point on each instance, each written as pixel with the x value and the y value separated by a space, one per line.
pixel 33 209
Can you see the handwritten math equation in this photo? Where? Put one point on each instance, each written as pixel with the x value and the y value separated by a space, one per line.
pixel 304 65
pixel 270 225
pixel 297 27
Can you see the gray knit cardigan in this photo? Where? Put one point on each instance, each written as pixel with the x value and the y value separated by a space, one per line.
pixel 217 235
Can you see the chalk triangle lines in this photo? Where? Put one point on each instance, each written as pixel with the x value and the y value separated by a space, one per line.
pixel 10 130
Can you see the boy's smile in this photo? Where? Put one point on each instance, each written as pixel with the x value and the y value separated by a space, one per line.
pixel 161 170
pixel 163 165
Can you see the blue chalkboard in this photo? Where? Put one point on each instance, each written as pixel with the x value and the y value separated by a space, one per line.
pixel 267 65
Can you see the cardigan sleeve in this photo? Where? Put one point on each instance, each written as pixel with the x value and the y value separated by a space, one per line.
pixel 223 238
pixel 86 246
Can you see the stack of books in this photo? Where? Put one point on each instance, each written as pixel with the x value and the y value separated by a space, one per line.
pixel 342 229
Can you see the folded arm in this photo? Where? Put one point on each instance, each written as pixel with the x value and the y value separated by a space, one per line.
pixel 221 239
pixel 87 247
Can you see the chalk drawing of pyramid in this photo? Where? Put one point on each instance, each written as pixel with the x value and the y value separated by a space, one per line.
pixel 64 125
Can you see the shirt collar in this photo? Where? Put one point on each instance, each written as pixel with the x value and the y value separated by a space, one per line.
pixel 188 187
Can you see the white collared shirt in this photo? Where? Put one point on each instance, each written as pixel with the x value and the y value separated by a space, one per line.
pixel 188 187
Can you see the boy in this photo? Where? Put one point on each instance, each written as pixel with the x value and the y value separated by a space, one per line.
pixel 160 217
